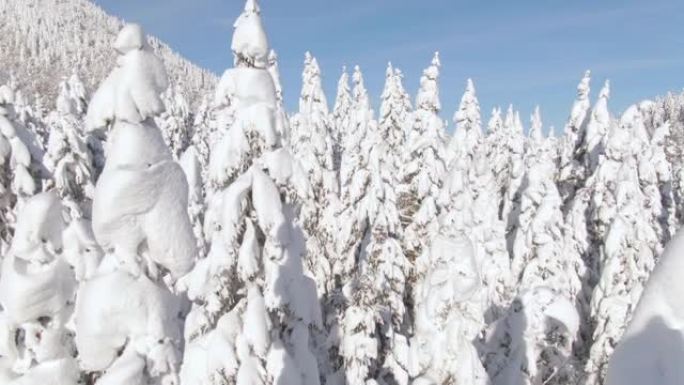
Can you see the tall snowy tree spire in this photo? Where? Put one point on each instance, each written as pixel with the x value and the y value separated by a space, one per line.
pixel 572 173
pixel 140 219
pixel 424 163
pixel 597 128
pixel 468 130
pixel 251 298
pixel 536 126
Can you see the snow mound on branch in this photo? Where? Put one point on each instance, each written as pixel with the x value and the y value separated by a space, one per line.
pixel 39 228
pixel 114 310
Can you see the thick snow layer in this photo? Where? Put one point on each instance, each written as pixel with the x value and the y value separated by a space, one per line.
pixel 115 310
pixel 28 292
pixel 244 87
pixel 141 202
pixel 652 348
pixel 132 90
pixel 39 228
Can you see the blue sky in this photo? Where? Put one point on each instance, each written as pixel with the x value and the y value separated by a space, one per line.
pixel 521 52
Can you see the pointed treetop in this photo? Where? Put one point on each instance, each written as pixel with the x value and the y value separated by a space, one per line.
pixel 467 117
pixel 389 71
pixel 552 132
pixel 605 91
pixel 428 94
pixel 359 85
pixel 495 122
pixel 343 96
pixel 272 57
pixel 470 87
pixel 509 120
pixel 519 128
pixel 252 6
pixel 536 125
pixel 435 60
pixel 583 87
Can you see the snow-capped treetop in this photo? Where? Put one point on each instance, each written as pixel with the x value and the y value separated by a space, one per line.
pixel 359 92
pixel 343 98
pixel 428 95
pixel 250 43
pixel 132 90
pixel 495 123
pixel 394 111
pixel 312 89
pixel 535 133
pixel 468 123
pixel 582 104
pixel 598 126
pixel 468 115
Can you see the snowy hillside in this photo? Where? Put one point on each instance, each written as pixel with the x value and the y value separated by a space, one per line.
pixel 156 235
pixel 43 41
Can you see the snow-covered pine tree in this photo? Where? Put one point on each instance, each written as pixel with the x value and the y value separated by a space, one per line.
pixel 596 130
pixel 176 120
pixel 468 125
pixel 622 243
pixel 311 138
pixel 68 157
pixel 375 324
pixel 424 163
pixel 498 154
pixel 572 174
pixel 530 344
pixel 540 258
pixel 128 321
pixel 312 145
pixel 253 306
pixel 510 209
pixel 354 179
pixel 650 350
pixel 395 113
pixel 446 293
pixel 20 169
pixel 629 256
pixel 341 116
pixel 77 93
pixel 655 175
pixel 469 204
pixel 26 115
pixel 37 289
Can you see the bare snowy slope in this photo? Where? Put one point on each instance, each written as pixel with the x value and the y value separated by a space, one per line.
pixel 41 41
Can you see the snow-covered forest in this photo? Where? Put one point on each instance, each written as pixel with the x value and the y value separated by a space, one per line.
pixel 161 226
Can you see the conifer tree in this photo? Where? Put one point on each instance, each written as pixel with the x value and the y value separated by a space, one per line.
pixel 127 315
pixel 68 157
pixel 424 163
pixel 251 299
